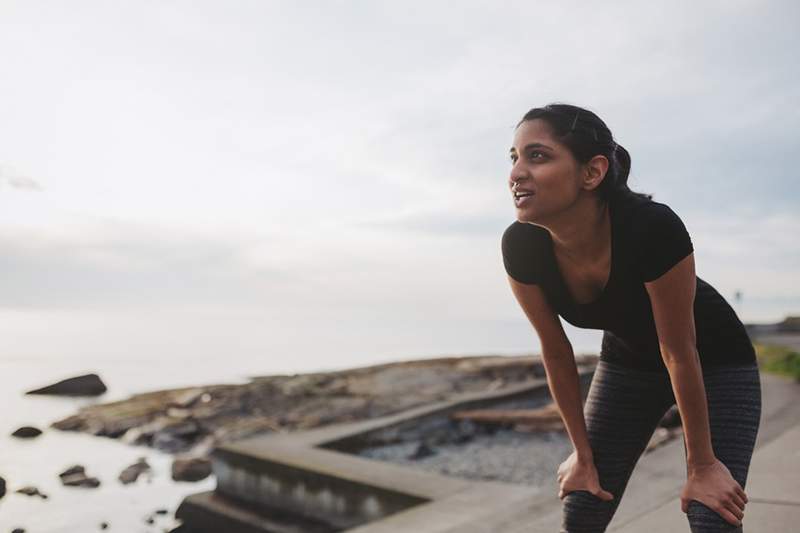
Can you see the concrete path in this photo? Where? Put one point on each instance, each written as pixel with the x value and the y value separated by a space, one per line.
pixel 773 489
pixel 650 502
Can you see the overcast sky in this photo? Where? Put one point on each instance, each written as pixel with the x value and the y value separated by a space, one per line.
pixel 327 180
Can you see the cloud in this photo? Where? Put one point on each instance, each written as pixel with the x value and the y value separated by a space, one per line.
pixel 116 265
pixel 17 180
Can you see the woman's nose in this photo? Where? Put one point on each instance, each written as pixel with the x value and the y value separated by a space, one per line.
pixel 515 177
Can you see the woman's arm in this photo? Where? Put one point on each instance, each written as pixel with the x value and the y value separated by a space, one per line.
pixel 672 300
pixel 559 363
pixel 709 481
pixel 578 471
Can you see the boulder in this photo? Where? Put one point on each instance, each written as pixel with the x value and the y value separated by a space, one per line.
pixel 191 469
pixel 671 419
pixel 85 385
pixel 80 480
pixel 2 487
pixel 75 476
pixel 27 432
pixel 423 450
pixel 31 491
pixel 76 469
pixel 132 473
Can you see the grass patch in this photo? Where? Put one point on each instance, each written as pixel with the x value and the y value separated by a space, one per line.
pixel 778 360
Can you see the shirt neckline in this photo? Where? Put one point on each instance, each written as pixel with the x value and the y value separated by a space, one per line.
pixel 565 289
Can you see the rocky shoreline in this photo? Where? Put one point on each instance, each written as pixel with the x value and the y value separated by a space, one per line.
pixel 191 421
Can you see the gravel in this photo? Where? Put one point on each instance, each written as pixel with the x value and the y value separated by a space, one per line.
pixel 507 455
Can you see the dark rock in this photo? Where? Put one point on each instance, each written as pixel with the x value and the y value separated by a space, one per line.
pixel 77 469
pixel 103 525
pixel 463 438
pixel 149 520
pixel 18 530
pixel 192 469
pixel 85 385
pixel 75 476
pixel 132 472
pixel 671 419
pixel 27 432
pixel 161 511
pixel 423 450
pixel 31 491
pixel 80 480
pixel 2 487
pixel 177 436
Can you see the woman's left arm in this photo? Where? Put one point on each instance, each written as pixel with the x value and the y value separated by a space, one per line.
pixel 708 480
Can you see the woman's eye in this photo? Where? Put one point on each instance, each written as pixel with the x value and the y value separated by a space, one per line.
pixel 513 158
pixel 532 154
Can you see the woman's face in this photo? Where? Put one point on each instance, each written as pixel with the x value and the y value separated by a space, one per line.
pixel 543 169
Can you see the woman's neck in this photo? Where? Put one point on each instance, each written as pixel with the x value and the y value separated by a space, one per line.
pixel 583 233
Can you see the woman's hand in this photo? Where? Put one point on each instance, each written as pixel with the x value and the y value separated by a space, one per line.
pixel 713 485
pixel 578 474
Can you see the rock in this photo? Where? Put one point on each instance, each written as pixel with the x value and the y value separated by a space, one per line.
pixel 31 491
pixel 80 480
pixel 17 530
pixel 188 398
pixel 132 472
pixel 27 432
pixel 161 511
pixel 177 436
pixel 75 476
pixel 191 469
pixel 85 385
pixel 671 419
pixel 2 487
pixel 103 525
pixel 77 469
pixel 422 451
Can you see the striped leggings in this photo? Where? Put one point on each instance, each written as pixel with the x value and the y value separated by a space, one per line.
pixel 622 411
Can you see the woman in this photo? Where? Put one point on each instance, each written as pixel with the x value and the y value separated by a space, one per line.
pixel 586 247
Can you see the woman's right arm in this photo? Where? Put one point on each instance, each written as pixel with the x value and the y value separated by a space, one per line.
pixel 559 363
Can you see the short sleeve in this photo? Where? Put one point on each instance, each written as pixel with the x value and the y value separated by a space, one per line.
pixel 660 240
pixel 519 253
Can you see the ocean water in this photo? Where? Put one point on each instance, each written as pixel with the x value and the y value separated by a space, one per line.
pixel 38 461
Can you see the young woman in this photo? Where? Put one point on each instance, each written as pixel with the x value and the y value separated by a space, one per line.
pixel 587 248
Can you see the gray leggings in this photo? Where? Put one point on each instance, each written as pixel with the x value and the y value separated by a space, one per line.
pixel 622 411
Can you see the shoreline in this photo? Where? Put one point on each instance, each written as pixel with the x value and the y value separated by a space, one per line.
pixel 190 421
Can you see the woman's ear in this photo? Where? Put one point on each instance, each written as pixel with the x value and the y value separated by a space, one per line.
pixel 594 172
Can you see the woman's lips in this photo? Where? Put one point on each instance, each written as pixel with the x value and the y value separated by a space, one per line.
pixel 522 200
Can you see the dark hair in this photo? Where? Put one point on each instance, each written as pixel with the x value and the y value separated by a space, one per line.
pixel 586 135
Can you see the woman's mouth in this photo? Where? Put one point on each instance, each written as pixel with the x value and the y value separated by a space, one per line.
pixel 522 198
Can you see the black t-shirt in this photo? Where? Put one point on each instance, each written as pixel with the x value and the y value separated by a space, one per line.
pixel 647 239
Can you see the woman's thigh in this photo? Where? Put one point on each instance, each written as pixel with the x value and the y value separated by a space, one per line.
pixel 734 414
pixel 622 410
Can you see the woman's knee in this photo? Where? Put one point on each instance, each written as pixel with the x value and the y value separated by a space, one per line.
pixel 703 519
pixel 583 512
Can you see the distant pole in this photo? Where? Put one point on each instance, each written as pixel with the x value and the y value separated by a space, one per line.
pixel 737 298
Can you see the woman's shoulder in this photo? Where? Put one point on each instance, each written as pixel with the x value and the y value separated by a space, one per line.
pixel 524 246
pixel 657 235
pixel 642 215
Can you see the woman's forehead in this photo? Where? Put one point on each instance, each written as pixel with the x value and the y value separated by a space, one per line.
pixel 534 131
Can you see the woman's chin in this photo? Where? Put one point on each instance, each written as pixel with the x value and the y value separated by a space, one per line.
pixel 524 215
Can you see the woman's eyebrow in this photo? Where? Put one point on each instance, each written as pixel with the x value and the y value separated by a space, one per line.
pixel 532 145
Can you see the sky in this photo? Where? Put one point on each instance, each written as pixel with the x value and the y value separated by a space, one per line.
pixel 314 184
